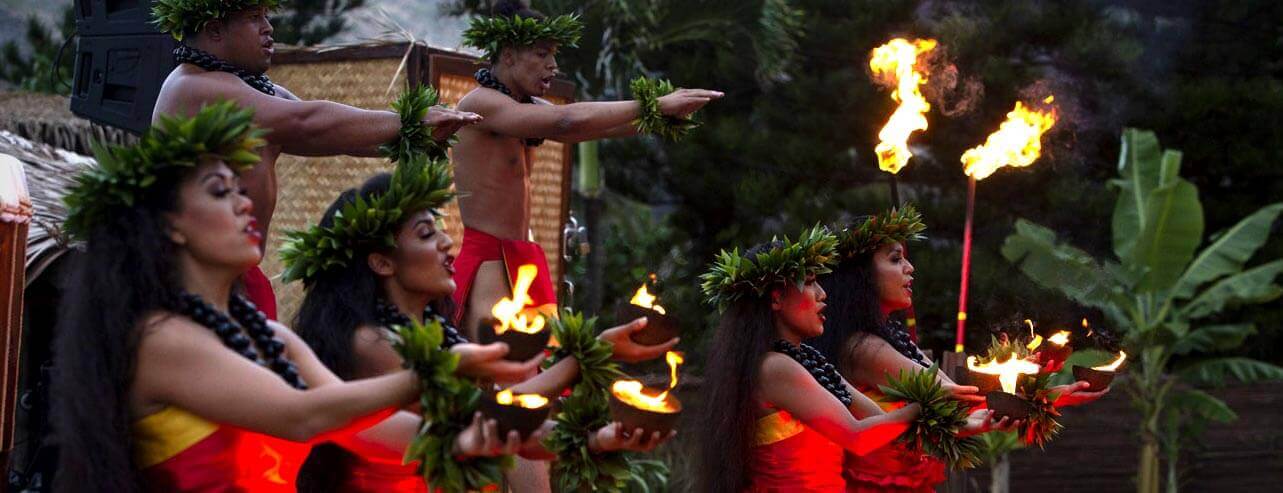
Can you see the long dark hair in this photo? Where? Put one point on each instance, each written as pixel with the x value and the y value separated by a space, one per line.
pixel 726 417
pixel 854 313
pixel 126 271
pixel 337 303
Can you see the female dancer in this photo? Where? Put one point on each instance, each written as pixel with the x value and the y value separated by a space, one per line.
pixel 778 416
pixel 167 378
pixel 872 280
pixel 396 273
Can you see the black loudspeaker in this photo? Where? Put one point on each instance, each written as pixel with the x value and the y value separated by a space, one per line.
pixel 113 17
pixel 121 62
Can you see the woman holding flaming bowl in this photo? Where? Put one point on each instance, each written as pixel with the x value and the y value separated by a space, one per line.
pixel 776 415
pixel 392 274
pixel 167 378
pixel 873 280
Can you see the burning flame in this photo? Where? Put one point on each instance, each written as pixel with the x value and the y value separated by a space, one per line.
pixel 644 299
pixel 1059 338
pixel 633 393
pixel 1035 339
pixel 1088 327
pixel 508 311
pixel 896 59
pixel 528 401
pixel 1017 142
pixel 1122 356
pixel 1008 370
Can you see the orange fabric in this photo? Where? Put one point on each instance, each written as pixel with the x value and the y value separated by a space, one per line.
pixel 258 288
pixel 479 247
pixel 790 457
pixel 221 459
pixel 893 468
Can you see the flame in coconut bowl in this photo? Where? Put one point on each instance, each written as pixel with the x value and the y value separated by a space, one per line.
pixel 1122 356
pixel 895 61
pixel 644 299
pixel 1008 370
pixel 632 392
pixel 509 311
pixel 528 401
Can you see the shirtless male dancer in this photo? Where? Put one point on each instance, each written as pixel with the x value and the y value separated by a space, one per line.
pixel 226 48
pixel 493 159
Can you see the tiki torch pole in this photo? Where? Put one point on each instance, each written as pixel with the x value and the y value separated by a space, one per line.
pixel 960 339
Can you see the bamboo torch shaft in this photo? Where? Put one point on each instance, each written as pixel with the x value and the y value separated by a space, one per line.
pixel 966 266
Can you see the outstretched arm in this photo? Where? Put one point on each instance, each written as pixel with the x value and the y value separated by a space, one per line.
pixel 317 128
pixel 573 122
pixel 788 386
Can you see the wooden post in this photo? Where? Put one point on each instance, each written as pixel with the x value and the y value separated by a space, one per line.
pixel 15 213
pixel 954 364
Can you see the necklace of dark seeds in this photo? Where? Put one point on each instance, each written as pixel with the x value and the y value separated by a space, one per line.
pixel 819 368
pixel 207 61
pixel 389 316
pixel 898 337
pixel 487 79
pixel 255 323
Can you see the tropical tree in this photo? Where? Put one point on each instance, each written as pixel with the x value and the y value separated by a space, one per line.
pixel 32 68
pixel 1166 297
pixel 310 22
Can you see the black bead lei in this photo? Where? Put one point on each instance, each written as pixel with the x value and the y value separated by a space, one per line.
pixel 389 315
pixel 255 323
pixel 487 79
pixel 898 337
pixel 819 368
pixel 207 61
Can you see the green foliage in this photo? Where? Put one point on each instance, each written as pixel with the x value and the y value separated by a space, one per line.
pixel 312 22
pixel 33 70
pixel 1157 229
pixel 492 34
pixel 367 222
pixel 182 17
pixel 935 430
pixel 585 411
pixel 897 225
pixel 578 339
pixel 646 92
pixel 175 145
pixel 449 403
pixel 415 137
pixel 733 276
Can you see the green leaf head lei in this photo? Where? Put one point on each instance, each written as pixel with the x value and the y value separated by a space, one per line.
pixel 733 275
pixel 174 145
pixel 892 226
pixel 493 34
pixel 179 18
pixel 365 223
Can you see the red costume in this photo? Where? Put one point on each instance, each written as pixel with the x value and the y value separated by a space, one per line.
pixel 180 452
pixel 376 475
pixel 788 456
pixel 893 468
pixel 479 247
pixel 259 290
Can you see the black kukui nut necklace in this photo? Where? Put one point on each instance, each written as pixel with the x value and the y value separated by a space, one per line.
pixel 254 323
pixel 819 368
pixel 390 316
pixel 195 56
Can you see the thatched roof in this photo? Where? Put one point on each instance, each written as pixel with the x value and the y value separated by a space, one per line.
pixel 50 172
pixel 47 118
